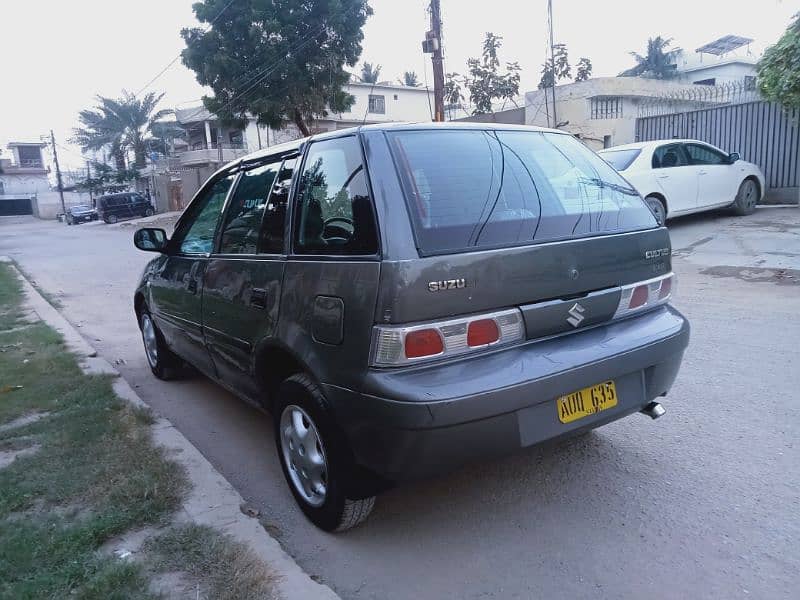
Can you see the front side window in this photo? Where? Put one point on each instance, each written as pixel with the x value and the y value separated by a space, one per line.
pixel 671 155
pixel 246 209
pixel 704 155
pixel 478 189
pixel 196 234
pixel 334 214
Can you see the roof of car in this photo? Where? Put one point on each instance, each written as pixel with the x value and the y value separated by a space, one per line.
pixel 650 144
pixel 296 145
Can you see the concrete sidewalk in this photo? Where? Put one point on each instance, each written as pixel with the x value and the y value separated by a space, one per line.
pixel 212 501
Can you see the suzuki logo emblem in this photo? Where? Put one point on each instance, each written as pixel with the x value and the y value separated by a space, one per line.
pixel 575 315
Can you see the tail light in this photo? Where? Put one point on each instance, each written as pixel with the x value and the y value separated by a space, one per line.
pixel 402 345
pixel 645 294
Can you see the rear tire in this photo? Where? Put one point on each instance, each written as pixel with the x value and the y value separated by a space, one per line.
pixel 320 475
pixel 746 198
pixel 162 361
pixel 658 209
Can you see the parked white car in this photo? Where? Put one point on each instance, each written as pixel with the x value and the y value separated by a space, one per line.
pixel 678 177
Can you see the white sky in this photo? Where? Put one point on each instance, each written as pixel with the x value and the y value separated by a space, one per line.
pixel 56 55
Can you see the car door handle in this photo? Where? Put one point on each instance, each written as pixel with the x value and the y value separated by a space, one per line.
pixel 663 176
pixel 258 298
pixel 703 172
pixel 191 287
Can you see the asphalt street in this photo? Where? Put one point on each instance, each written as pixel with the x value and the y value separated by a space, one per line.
pixel 702 503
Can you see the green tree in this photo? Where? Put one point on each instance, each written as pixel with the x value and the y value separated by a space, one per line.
pixel 657 63
pixel 779 68
pixel 556 68
pixel 119 125
pixel 584 69
pixel 281 61
pixel 370 72
pixel 485 82
pixel 410 79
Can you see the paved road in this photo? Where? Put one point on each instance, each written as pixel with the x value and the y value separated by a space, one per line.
pixel 700 504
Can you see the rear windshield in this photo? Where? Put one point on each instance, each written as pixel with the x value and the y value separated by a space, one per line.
pixel 482 189
pixel 621 159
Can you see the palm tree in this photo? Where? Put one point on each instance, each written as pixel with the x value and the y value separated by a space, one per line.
pixel 657 63
pixel 370 73
pixel 410 79
pixel 120 124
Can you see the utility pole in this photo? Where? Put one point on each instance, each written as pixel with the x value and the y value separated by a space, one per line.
pixel 433 45
pixel 552 59
pixel 58 173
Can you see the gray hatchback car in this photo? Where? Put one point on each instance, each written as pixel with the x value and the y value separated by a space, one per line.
pixel 405 298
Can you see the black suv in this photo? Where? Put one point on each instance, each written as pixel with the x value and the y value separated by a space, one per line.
pixel 113 207
pixel 404 298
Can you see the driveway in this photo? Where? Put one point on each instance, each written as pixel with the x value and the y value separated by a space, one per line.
pixel 701 503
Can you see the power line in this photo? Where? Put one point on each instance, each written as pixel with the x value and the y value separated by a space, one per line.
pixel 174 60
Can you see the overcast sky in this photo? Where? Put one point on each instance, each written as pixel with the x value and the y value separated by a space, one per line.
pixel 55 56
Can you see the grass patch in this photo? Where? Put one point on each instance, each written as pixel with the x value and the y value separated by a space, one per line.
pixel 96 475
pixel 224 568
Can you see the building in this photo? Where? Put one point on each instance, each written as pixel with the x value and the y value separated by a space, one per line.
pixel 23 177
pixel 727 60
pixel 207 143
pixel 603 111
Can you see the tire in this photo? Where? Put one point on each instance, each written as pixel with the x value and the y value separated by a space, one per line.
pixel 111 219
pixel 658 209
pixel 148 212
pixel 162 361
pixel 746 198
pixel 301 414
pixel 69 222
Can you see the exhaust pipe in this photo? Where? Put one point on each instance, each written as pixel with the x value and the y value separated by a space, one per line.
pixel 653 410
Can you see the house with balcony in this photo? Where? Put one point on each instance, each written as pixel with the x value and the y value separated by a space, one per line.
pixel 23 178
pixel 206 141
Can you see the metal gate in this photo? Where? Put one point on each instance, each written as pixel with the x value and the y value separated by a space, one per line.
pixel 761 132
pixel 15 206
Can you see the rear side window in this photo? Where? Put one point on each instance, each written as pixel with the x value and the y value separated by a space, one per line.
pixel 621 159
pixel 246 209
pixel 479 189
pixel 334 210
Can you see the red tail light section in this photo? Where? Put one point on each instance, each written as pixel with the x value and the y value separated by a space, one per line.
pixel 482 333
pixel 423 342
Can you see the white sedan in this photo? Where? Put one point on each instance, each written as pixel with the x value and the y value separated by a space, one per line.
pixel 678 177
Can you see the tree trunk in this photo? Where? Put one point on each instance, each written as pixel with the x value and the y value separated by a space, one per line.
pixel 119 159
pixel 139 153
pixel 301 124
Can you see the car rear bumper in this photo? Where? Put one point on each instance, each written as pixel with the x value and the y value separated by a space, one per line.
pixel 417 422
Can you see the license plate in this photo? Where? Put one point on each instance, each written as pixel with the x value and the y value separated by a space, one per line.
pixel 587 401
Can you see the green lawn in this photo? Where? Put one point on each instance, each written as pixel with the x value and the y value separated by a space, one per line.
pixel 92 473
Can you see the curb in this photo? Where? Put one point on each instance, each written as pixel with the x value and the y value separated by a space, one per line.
pixel 212 501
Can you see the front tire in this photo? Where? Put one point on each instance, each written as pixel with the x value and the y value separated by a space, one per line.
pixel 316 460
pixel 658 209
pixel 162 361
pixel 148 212
pixel 111 219
pixel 746 198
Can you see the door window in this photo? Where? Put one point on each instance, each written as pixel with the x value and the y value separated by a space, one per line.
pixel 246 209
pixel 334 214
pixel 705 155
pixel 671 155
pixel 274 223
pixel 196 234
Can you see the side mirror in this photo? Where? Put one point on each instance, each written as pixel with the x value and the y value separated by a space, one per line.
pixel 733 157
pixel 150 239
